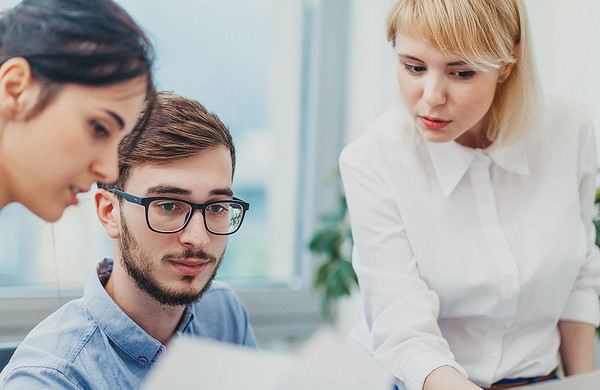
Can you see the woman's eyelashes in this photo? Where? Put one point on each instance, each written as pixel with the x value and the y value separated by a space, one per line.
pixel 419 69
pixel 414 69
pixel 463 74
pixel 99 130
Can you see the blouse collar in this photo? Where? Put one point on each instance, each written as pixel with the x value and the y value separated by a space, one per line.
pixel 451 160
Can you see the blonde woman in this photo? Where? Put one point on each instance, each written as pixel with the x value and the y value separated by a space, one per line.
pixel 471 207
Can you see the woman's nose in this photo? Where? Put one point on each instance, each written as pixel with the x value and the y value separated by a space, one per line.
pixel 106 167
pixel 435 90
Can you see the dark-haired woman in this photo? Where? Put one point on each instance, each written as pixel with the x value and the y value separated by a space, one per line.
pixel 74 77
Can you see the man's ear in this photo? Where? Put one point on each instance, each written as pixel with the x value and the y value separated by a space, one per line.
pixel 18 91
pixel 107 209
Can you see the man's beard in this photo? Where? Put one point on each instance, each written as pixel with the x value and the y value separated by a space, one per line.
pixel 138 265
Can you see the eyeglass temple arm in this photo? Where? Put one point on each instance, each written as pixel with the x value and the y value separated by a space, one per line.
pixel 128 197
pixel 245 204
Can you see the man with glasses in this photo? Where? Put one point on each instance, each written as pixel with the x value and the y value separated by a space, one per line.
pixel 170 214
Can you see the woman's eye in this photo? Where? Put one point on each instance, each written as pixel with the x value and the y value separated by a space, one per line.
pixel 99 130
pixel 414 69
pixel 464 74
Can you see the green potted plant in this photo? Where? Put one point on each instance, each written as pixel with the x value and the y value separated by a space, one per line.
pixel 334 276
pixel 597 217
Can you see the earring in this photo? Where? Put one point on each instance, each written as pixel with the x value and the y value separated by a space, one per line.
pixel 502 78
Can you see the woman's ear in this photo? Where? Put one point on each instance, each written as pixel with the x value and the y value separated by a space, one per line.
pixel 18 91
pixel 107 209
pixel 507 69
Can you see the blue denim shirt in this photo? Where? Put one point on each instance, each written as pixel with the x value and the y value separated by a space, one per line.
pixel 90 343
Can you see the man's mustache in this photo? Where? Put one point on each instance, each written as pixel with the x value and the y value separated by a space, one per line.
pixel 190 253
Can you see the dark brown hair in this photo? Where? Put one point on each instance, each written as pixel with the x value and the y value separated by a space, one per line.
pixel 176 128
pixel 75 41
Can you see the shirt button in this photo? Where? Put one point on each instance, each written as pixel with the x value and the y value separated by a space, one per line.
pixel 498 245
pixel 502 326
pixel 510 290
pixel 485 198
pixel 490 354
pixel 142 360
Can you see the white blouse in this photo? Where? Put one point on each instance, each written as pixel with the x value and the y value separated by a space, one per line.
pixel 469 257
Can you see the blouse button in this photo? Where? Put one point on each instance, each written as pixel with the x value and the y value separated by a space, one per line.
pixel 142 360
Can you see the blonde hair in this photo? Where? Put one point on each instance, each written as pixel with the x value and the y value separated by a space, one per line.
pixel 481 32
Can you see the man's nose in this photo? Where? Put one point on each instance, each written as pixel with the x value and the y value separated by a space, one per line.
pixel 195 233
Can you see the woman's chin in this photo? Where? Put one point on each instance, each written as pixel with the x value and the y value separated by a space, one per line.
pixel 49 212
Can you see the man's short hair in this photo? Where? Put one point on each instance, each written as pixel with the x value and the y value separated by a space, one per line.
pixel 177 128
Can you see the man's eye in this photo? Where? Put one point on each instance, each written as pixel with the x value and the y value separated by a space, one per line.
pixel 168 207
pixel 216 208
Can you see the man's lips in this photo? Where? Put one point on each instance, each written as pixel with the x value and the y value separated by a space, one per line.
pixel 190 267
pixel 434 123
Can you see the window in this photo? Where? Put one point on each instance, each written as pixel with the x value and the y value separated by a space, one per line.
pixel 267 69
pixel 242 60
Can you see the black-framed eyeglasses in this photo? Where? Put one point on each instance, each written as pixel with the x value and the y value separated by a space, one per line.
pixel 171 215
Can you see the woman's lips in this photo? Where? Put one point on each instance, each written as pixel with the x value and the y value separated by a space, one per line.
pixel 74 192
pixel 434 123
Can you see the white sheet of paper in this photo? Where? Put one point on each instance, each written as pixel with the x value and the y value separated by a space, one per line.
pixel 195 363
pixel 590 381
pixel 324 363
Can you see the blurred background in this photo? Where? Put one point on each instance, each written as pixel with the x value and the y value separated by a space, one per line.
pixel 294 80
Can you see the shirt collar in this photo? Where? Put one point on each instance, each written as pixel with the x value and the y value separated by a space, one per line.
pixel 117 326
pixel 451 160
pixel 187 318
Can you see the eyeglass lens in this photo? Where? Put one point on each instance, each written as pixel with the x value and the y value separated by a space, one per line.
pixel 170 215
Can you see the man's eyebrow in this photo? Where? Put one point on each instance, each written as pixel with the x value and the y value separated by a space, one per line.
pixel 408 57
pixel 162 189
pixel 117 118
pixel 222 191
pixel 166 189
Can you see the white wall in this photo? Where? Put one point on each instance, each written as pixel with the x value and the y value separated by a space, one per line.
pixel 566 35
pixel 371 73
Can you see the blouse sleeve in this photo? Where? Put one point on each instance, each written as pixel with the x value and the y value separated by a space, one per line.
pixel 401 311
pixel 583 304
